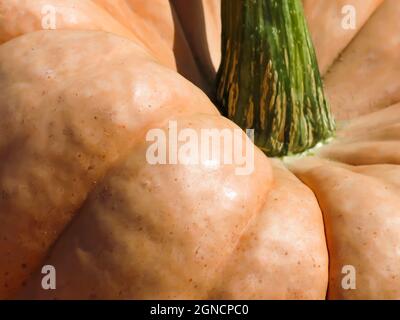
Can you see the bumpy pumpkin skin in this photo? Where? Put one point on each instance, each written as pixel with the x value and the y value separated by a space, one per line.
pixel 45 128
pixel 54 172
pixel 161 34
pixel 285 240
pixel 360 199
pixel 59 157
pixel 156 232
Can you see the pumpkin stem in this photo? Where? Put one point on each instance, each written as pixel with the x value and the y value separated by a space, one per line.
pixel 269 78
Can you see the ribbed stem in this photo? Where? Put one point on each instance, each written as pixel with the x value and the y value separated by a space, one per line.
pixel 269 78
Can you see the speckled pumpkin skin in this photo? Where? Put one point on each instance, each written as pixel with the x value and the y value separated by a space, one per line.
pixel 77 192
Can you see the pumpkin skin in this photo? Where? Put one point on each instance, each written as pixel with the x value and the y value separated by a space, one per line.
pixel 79 202
pixel 161 35
pixel 201 21
pixel 358 190
pixel 67 125
pixel 88 162
pixel 274 248
pixel 366 78
pixel 325 18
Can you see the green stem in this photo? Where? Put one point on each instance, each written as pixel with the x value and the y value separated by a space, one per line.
pixel 269 78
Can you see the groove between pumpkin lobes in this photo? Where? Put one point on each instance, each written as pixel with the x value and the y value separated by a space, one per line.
pixel 269 79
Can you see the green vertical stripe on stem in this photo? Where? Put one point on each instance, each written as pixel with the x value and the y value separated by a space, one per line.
pixel 269 78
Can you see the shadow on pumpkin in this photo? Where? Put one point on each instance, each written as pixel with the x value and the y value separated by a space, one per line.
pixel 197 41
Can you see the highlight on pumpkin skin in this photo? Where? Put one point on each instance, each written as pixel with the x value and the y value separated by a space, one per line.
pixel 201 143
pixel 160 32
pixel 269 78
pixel 84 214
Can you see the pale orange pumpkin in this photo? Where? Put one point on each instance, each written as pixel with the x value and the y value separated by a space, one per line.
pixel 77 192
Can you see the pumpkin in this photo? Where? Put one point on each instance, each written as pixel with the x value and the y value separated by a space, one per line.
pixel 78 193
